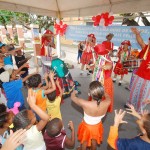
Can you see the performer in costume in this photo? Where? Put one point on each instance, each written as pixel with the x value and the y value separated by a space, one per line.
pixel 64 75
pixel 108 44
pixel 47 43
pixel 123 55
pixel 102 73
pixel 140 89
pixel 90 130
pixel 87 55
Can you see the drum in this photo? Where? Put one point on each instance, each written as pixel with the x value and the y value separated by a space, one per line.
pixel 135 63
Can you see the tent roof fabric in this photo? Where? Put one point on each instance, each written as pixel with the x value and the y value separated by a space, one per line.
pixel 74 8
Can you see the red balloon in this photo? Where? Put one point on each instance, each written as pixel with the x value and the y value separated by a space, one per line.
pixel 100 49
pixel 96 20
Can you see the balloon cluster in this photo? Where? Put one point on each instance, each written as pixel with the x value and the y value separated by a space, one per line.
pixel 60 27
pixel 105 19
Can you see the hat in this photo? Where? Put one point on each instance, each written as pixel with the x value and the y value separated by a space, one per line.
pixel 110 34
pixel 2 44
pixel 48 32
pixel 5 76
pixel 100 49
pixel 126 42
pixel 91 35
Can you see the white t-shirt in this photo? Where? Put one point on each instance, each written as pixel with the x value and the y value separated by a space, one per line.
pixel 34 140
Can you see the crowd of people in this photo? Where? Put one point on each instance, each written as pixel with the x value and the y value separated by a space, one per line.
pixel 40 126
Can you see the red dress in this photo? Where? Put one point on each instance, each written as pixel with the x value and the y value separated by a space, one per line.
pixel 87 55
pixel 119 70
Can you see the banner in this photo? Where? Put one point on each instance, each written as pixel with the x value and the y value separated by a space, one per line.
pixel 121 33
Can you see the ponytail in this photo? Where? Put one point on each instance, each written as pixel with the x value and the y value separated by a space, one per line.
pixel 98 102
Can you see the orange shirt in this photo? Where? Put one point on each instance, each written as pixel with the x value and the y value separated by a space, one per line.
pixel 40 99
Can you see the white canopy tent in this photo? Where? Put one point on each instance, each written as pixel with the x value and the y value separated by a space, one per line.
pixel 74 8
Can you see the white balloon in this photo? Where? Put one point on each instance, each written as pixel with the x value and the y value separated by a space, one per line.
pixel 57 21
pixel 102 22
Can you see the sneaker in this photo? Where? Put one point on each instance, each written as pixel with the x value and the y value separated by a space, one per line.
pixel 114 80
pixel 119 84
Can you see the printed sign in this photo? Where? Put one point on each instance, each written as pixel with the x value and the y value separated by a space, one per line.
pixel 121 33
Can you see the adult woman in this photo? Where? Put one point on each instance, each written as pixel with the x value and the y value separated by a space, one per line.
pixel 87 55
pixel 123 55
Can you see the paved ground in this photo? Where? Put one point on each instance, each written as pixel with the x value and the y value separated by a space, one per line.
pixel 70 111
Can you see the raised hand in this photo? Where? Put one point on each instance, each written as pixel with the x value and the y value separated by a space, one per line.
pixel 31 99
pixel 46 75
pixel 51 75
pixel 135 30
pixel 131 110
pixel 119 117
pixel 71 126
pixel 15 139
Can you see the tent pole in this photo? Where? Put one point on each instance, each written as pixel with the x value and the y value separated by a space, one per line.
pixel 58 36
pixel 58 46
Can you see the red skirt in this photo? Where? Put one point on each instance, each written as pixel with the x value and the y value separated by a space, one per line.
pixel 119 70
pixel 86 58
pixel 88 132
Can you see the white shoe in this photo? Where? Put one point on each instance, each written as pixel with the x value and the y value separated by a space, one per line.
pixel 114 79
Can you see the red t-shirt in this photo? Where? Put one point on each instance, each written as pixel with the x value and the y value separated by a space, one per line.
pixel 143 71
pixel 109 45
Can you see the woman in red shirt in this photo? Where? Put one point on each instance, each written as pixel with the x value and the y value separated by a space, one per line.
pixel 140 89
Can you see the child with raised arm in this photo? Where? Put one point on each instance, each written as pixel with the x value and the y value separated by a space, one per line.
pixel 53 102
pixel 141 142
pixel 90 130
pixel 13 88
pixel 27 120
pixel 35 82
pixel 55 135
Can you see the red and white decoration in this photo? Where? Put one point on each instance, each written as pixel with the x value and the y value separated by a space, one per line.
pixel 105 19
pixel 60 27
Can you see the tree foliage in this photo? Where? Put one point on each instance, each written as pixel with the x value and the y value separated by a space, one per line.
pixel 24 19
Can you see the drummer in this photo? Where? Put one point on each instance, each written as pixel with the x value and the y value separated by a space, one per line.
pixel 140 89
pixel 123 55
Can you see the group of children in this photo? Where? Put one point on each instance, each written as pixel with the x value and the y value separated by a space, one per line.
pixel 44 127
pixel 42 124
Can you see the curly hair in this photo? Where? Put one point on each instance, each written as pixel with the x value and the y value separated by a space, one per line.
pixel 34 81
pixel 53 127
